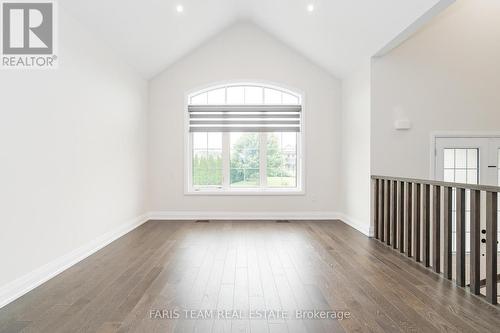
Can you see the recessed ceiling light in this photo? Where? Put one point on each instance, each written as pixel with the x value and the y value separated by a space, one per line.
pixel 310 8
pixel 179 8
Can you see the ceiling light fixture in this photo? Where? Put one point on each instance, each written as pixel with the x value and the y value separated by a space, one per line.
pixel 310 8
pixel 179 8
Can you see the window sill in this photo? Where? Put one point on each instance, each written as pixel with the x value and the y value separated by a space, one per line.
pixel 245 192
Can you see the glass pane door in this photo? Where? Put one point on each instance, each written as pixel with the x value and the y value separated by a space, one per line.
pixel 470 161
pixel 461 160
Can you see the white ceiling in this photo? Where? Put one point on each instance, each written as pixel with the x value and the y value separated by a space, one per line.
pixel 338 35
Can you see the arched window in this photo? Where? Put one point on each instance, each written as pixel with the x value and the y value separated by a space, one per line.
pixel 244 94
pixel 244 138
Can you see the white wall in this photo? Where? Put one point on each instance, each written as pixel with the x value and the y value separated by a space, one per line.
pixel 72 155
pixel 445 78
pixel 244 52
pixel 355 161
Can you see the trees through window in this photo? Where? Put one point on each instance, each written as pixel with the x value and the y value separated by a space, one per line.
pixel 244 137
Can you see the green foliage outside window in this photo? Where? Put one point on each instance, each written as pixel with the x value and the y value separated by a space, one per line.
pixel 244 164
pixel 207 169
pixel 245 161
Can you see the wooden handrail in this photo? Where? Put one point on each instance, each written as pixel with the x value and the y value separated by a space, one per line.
pixel 407 211
pixel 486 188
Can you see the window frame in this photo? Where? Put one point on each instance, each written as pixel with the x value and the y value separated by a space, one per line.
pixel 225 189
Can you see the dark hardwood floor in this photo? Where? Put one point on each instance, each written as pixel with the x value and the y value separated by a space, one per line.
pixel 248 266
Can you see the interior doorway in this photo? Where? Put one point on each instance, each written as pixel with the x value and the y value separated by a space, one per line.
pixel 470 160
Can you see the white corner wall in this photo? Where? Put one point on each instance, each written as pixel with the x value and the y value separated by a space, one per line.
pixel 355 160
pixel 445 78
pixel 72 159
pixel 244 52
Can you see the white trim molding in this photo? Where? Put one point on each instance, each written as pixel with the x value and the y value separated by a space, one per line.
pixel 226 215
pixel 30 281
pixel 364 228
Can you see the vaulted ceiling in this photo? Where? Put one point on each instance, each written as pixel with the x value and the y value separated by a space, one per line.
pixel 337 35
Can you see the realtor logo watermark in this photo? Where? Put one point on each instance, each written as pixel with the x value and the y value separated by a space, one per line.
pixel 28 34
pixel 222 314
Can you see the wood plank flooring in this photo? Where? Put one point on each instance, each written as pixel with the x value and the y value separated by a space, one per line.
pixel 248 266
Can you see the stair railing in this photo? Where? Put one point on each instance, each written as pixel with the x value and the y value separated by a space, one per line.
pixel 415 216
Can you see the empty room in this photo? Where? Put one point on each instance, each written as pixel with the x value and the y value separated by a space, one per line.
pixel 249 166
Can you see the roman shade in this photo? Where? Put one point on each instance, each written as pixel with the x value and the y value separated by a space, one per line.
pixel 244 118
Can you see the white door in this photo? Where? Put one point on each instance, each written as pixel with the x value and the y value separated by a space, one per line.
pixel 474 160
pixel 494 161
pixel 494 173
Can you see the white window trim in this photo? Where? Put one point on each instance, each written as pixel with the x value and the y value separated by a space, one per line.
pixel 225 190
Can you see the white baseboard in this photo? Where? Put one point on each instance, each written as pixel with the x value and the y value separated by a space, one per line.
pixel 311 215
pixel 207 215
pixel 364 228
pixel 26 283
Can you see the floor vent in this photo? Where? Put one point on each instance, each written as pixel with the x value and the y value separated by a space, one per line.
pixel 202 221
pixel 282 221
